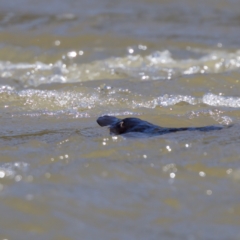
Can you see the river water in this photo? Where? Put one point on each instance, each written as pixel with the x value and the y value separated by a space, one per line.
pixel 65 63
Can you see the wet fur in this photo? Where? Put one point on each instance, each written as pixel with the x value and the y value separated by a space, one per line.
pixel 121 126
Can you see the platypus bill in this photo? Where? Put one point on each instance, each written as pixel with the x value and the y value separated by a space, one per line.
pixel 119 126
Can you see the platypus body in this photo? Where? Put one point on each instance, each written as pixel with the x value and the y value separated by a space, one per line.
pixel 119 126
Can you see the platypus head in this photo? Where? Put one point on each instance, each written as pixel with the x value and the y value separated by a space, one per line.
pixel 126 125
pixel 120 126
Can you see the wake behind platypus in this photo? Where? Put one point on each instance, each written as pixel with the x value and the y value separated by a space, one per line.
pixel 119 126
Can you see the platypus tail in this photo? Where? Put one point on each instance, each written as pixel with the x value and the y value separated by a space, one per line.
pixel 202 129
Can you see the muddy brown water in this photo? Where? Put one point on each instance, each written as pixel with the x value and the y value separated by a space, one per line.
pixel 65 63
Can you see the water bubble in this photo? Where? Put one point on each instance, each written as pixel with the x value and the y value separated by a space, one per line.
pixel 142 47
pixel 172 175
pixel 2 174
pixel 202 174
pixel 130 50
pixel 114 138
pixel 72 54
pixel 81 53
pixel 57 43
pixel 209 192
pixel 205 67
pixel 18 178
pixel 170 167
pixel 168 148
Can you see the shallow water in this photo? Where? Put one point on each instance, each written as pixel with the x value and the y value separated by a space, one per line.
pixel 172 63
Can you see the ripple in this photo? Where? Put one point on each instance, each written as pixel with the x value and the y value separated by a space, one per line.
pixel 156 66
pixel 83 100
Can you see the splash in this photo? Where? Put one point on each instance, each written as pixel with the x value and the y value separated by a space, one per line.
pixel 215 100
pixel 156 66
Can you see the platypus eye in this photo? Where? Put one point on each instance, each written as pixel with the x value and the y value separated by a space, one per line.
pixel 121 124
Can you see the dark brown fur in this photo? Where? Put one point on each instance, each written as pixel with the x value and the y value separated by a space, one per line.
pixel 121 126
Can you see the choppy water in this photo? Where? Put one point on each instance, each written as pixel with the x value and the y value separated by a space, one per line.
pixel 65 63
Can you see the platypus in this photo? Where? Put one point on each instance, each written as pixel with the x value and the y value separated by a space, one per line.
pixel 119 126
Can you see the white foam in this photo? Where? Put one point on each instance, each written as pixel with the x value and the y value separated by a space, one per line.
pixel 215 100
pixel 156 66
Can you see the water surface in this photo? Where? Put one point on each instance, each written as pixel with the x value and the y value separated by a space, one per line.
pixel 65 63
